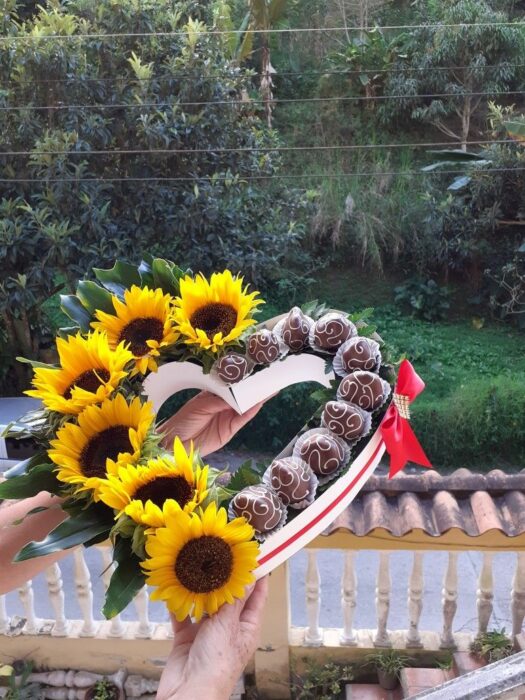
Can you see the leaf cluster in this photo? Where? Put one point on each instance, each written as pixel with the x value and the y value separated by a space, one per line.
pixel 322 681
pixel 492 646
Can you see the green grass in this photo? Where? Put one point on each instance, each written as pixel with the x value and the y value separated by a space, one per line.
pixel 469 373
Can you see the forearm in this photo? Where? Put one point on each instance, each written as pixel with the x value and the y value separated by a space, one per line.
pixel 14 536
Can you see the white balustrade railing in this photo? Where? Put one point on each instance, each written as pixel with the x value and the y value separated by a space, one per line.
pixel 378 589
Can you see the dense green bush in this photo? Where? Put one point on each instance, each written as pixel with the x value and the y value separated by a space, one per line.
pixel 479 424
pixel 423 298
pixel 119 152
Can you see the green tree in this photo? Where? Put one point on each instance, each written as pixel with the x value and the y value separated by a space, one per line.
pixel 114 146
pixel 466 64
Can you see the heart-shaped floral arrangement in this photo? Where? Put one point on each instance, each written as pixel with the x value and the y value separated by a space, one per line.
pixel 143 333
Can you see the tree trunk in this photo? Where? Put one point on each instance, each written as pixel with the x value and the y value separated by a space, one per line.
pixel 266 79
pixel 465 122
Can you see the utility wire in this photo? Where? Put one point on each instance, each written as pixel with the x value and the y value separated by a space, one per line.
pixel 278 74
pixel 249 102
pixel 261 149
pixel 230 178
pixel 228 32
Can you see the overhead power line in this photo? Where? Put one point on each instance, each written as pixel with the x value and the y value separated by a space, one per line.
pixel 233 177
pixel 229 32
pixel 278 74
pixel 249 102
pixel 258 149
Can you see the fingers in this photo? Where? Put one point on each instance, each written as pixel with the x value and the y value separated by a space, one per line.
pixel 255 602
pixel 197 421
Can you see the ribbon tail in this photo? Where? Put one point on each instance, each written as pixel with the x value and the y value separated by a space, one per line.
pixel 404 448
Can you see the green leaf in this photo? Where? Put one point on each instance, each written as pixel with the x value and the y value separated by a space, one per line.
pixel 314 309
pixel 94 297
pixel 361 315
pixel 146 274
pixel 246 475
pixel 516 129
pixel 71 306
pixel 459 183
pixel 120 277
pixel 368 330
pixel 41 478
pixel 164 277
pixel 457 155
pixel 34 363
pixel 81 528
pixel 126 581
pixel 26 465
pixel 67 331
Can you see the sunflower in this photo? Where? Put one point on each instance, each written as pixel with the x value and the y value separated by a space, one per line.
pixel 142 491
pixel 199 561
pixel 89 372
pixel 106 437
pixel 143 321
pixel 215 312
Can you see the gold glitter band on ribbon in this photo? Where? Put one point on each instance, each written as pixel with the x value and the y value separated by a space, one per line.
pixel 402 403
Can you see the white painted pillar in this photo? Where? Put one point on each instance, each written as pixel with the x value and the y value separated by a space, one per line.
pixel 382 638
pixel 141 602
pixel 28 603
pixel 485 593
pixel 84 593
pixel 415 601
pixel 314 635
pixel 450 601
pixel 348 599
pixel 56 597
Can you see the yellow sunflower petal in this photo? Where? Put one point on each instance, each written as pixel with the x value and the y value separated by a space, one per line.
pixel 94 449
pixel 205 569
pixel 210 313
pixel 143 322
pixel 89 372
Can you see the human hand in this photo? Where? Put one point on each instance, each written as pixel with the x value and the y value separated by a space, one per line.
pixel 208 657
pixel 20 524
pixel 208 421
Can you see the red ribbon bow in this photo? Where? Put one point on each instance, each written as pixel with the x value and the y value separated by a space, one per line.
pixel 401 443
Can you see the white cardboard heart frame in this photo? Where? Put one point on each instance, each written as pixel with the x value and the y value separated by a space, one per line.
pixel 280 546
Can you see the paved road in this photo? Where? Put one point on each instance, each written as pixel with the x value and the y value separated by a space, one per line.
pixel 330 565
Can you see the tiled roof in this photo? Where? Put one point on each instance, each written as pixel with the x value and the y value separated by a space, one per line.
pixel 473 503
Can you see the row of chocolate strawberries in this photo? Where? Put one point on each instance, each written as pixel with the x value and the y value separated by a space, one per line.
pixel 293 333
pixel 320 454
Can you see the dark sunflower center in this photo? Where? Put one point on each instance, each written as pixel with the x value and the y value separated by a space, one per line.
pixel 204 564
pixel 90 380
pixel 138 331
pixel 214 318
pixel 164 487
pixel 104 445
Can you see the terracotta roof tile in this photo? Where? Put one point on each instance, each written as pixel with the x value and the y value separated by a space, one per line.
pixel 473 503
